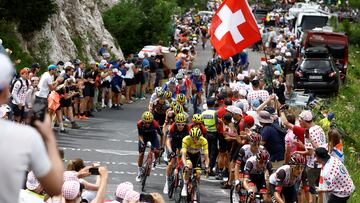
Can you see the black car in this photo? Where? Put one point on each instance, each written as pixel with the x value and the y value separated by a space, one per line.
pixel 317 75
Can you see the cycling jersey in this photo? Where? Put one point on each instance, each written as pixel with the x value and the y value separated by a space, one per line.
pixel 197 82
pixel 177 136
pixel 159 108
pixel 282 178
pixel 251 167
pixel 152 130
pixel 188 145
pixel 245 153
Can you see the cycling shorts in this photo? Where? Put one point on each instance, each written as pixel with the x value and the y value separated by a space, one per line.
pixel 258 180
pixel 195 159
pixel 289 193
pixel 154 140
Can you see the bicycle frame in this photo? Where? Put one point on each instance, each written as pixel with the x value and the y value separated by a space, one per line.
pixel 147 167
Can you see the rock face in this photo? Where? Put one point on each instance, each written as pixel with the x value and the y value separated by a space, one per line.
pixel 75 31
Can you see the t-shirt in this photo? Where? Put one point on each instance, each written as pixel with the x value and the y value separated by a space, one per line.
pixel 21 149
pixel 290 138
pixel 45 80
pixel 263 95
pixel 336 178
pixel 299 132
pixel 27 196
pixel 274 143
pixel 316 139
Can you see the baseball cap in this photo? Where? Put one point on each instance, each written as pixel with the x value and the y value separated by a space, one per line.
pixel 35 65
pixel 104 43
pixel 234 109
pixel 24 70
pixel 67 64
pixel 306 115
pixel 70 189
pixel 7 71
pixel 32 182
pixel 255 103
pixel 249 120
pixel 330 116
pixel 123 188
pixel 52 67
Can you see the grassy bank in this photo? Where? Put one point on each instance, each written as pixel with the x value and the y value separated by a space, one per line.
pixel 346 107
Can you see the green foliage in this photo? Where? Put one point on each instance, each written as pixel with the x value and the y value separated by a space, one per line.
pixel 354 3
pixel 8 36
pixel 346 108
pixel 138 23
pixel 79 44
pixel 199 4
pixel 352 30
pixel 30 15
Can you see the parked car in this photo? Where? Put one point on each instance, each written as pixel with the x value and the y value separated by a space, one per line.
pixel 317 72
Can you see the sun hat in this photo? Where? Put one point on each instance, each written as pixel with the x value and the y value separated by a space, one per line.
pixel 123 188
pixel 70 189
pixel 70 176
pixel 234 109
pixel 265 117
pixel 132 195
pixel 52 67
pixel 32 182
pixel 306 115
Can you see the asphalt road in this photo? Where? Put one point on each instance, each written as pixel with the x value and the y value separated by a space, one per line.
pixel 110 138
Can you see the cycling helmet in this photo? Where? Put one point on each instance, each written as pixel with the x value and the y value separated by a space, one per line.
pixel 255 137
pixel 297 159
pixel 182 71
pixel 167 94
pixel 147 116
pixel 160 94
pixel 180 98
pixel 180 118
pixel 172 80
pixel 179 76
pixel 197 72
pixel 263 155
pixel 172 104
pixel 195 133
pixel 197 118
pixel 157 89
pixel 178 109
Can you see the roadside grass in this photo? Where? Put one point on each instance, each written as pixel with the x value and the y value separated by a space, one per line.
pixel 346 107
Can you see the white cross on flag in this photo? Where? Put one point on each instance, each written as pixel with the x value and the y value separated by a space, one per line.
pixel 233 28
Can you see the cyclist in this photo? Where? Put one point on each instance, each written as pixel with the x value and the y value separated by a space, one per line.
pixel 246 152
pixel 158 109
pixel 171 86
pixel 181 99
pixel 283 181
pixel 197 121
pixel 254 172
pixel 182 85
pixel 154 95
pixel 148 129
pixel 168 96
pixel 177 132
pixel 192 144
pixel 197 80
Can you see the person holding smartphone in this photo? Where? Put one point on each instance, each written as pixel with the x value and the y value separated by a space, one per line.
pixel 23 148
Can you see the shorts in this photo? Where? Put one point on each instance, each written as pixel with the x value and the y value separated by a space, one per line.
pixel 105 84
pixel 176 144
pixel 89 91
pixel 223 144
pixel 18 111
pixel 234 152
pixel 258 180
pixel 65 102
pixel 195 159
pixel 289 79
pixel 289 193
pixel 41 100
pixel 199 87
pixel 154 140
pixel 336 199
pixel 313 175
pixel 130 82
pixel 152 77
pixel 139 78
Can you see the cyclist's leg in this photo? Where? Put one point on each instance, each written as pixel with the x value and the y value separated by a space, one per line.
pixel 141 150
pixel 196 160
pixel 187 170
pixel 289 194
pixel 155 144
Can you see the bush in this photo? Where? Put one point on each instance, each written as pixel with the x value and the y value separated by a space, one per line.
pixel 138 23
pixel 30 15
pixel 8 36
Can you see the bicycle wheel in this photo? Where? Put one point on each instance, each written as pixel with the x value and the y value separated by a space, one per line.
pixel 171 185
pixel 234 195
pixel 178 188
pixel 145 175
pixel 195 194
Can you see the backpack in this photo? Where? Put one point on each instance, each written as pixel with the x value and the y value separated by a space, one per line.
pixel 21 84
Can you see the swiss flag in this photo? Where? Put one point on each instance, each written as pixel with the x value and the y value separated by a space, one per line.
pixel 233 28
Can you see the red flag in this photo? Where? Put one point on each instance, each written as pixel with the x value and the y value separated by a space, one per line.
pixel 233 28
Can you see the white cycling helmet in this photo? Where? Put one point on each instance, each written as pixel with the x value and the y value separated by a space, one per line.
pixel 179 76
pixel 172 80
pixel 197 72
pixel 158 89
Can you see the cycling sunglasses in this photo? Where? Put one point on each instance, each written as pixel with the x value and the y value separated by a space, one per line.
pixel 180 124
pixel 147 123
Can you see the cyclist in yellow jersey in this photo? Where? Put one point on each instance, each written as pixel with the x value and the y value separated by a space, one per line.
pixel 191 154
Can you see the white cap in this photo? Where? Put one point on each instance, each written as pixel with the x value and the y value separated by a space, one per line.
pixel 104 43
pixel 243 92
pixel 277 73
pixel 234 109
pixel 7 71
pixel 115 70
pixel 273 61
pixel 287 54
pixel 103 62
pixel 240 77
pixel 106 55
pixel 68 64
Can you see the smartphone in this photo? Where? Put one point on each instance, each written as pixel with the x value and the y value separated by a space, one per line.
pixel 39 110
pixel 145 197
pixel 94 171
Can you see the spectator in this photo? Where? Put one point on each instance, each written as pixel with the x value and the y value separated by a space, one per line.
pixel 89 91
pixel 35 68
pixel 335 146
pixel 334 178
pixel 18 93
pixel 129 81
pixel 273 140
pixel 116 84
pixel 290 139
pixel 121 191
pixel 34 150
pixel 34 192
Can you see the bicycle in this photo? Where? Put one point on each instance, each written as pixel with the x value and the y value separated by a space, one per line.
pixel 176 175
pixel 240 195
pixel 237 192
pixel 193 190
pixel 147 167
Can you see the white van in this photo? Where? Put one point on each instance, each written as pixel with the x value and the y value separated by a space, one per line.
pixel 309 21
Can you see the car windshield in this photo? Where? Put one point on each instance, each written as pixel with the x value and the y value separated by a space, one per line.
pixel 316 64
pixel 311 22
